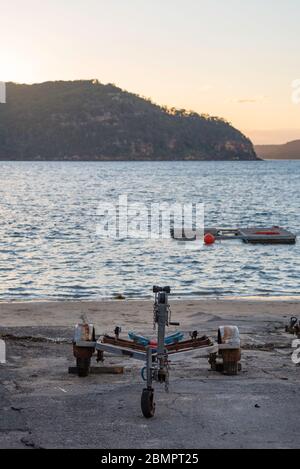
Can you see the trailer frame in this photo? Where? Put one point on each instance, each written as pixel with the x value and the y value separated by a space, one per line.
pixel 157 358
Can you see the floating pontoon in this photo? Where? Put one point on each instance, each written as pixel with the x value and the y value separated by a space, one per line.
pixel 273 235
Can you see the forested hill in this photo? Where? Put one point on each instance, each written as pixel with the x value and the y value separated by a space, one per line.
pixel 86 120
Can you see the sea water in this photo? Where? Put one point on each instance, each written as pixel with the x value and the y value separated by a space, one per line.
pixel 49 248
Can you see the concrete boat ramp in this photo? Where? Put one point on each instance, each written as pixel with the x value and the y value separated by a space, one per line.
pixel 43 406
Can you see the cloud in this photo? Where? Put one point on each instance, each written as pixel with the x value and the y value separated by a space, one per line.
pixel 205 88
pixel 245 101
pixel 255 99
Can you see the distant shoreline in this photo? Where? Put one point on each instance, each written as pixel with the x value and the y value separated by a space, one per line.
pixel 287 151
pixel 178 299
pixel 259 160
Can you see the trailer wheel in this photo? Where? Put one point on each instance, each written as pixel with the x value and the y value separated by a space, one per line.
pixel 148 404
pixel 83 367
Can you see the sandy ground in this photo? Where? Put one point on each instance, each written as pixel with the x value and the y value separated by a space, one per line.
pixel 42 406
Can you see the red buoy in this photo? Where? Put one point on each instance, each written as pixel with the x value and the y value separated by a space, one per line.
pixel 209 238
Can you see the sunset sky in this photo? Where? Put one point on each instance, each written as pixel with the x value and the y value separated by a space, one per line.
pixel 231 58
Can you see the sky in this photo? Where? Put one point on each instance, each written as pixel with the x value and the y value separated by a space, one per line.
pixel 235 59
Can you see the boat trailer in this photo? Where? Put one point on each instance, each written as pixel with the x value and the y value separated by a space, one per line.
pixel 223 356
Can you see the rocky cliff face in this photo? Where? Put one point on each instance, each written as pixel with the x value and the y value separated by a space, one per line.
pixel 85 120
